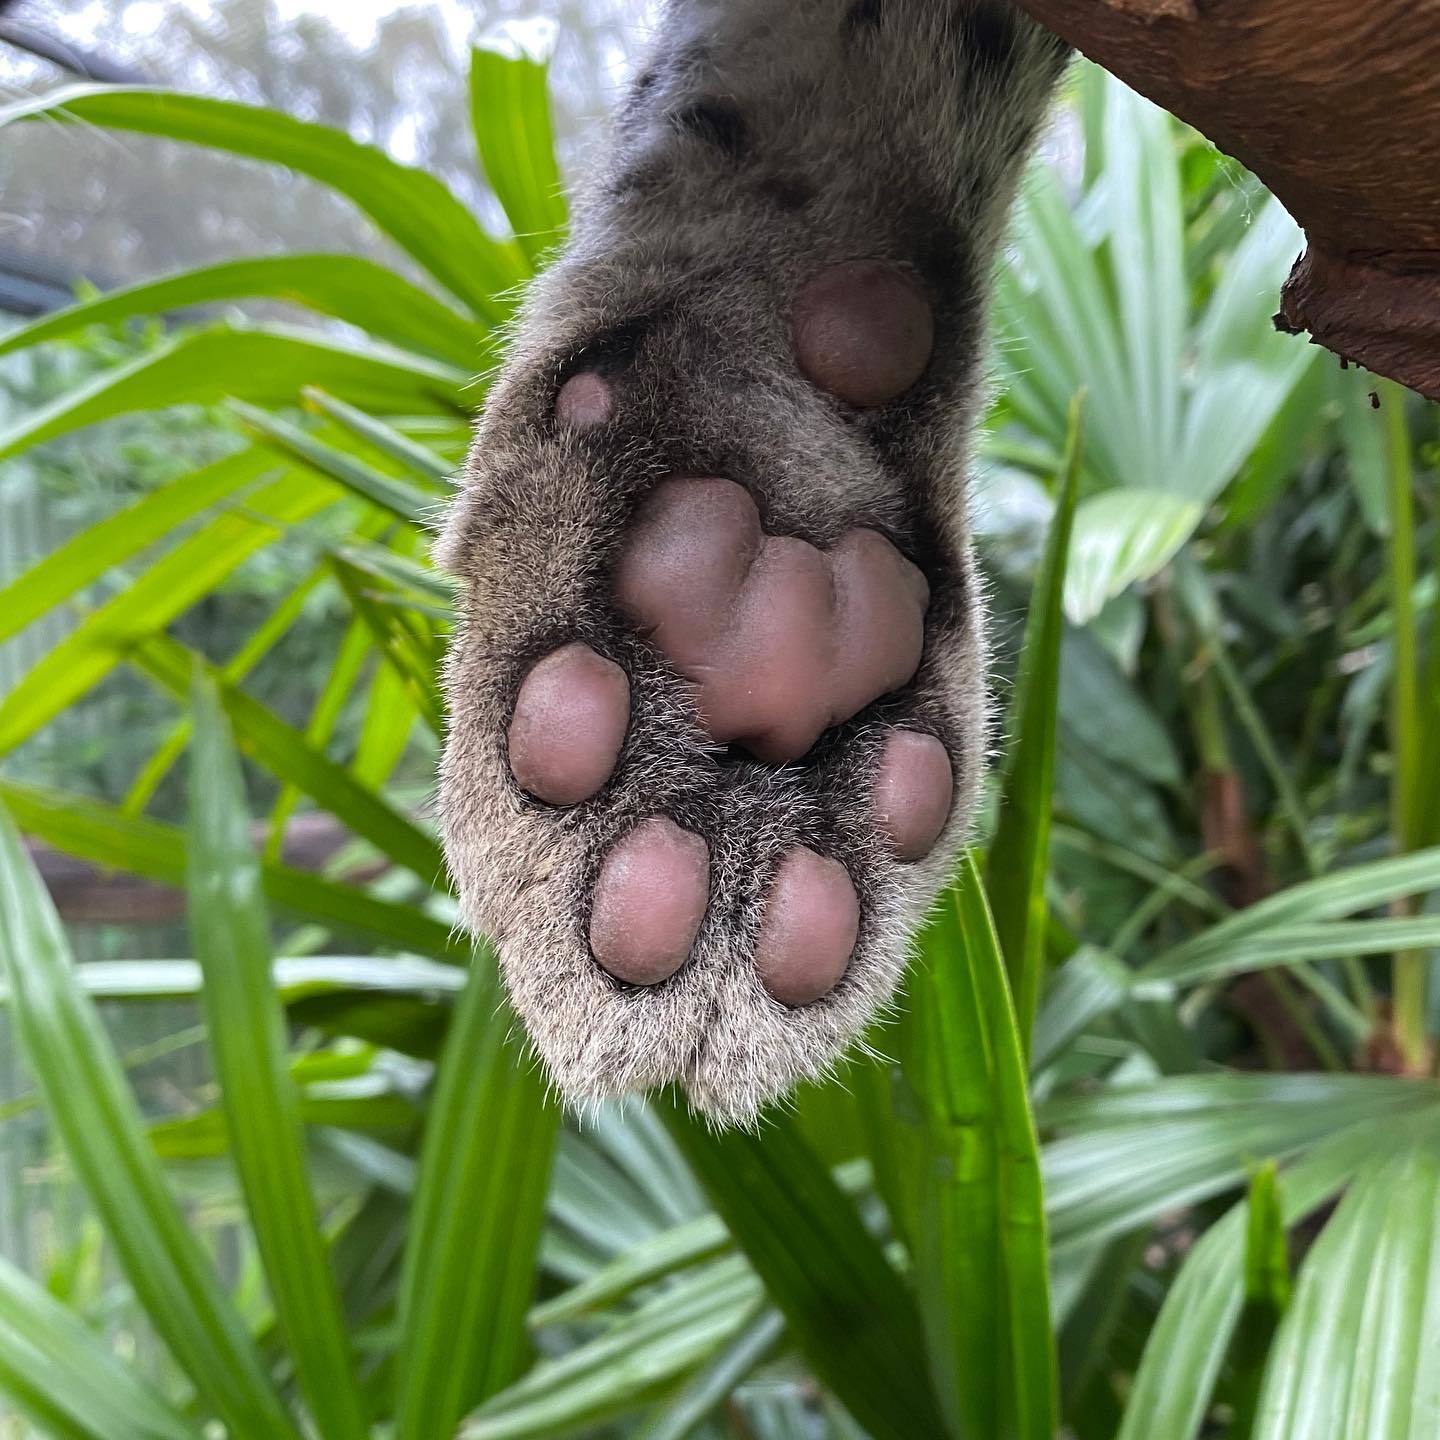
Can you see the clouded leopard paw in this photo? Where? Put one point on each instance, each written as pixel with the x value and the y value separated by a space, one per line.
pixel 717 701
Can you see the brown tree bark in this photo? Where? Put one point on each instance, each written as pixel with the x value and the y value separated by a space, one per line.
pixel 1335 105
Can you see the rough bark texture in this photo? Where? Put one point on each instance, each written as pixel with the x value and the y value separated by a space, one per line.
pixel 1336 107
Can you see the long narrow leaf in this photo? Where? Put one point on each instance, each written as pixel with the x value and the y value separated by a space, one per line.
pixel 470 1262
pixel 1065 330
pixel 710 1387
pixel 1267 1294
pixel 385 735
pixel 413 664
pixel 370 296
pixel 230 929
pixel 1123 536
pixel 420 460
pixel 1091 983
pixel 844 1303
pixel 1187 1346
pixel 1291 944
pixel 52 1365
pixel 1146 260
pixel 409 205
pixel 265 364
pixel 178 580
pixel 1356 1352
pixel 680 1247
pixel 397 497
pixel 1247 368
pixel 1128 1154
pixel 1020 852
pixel 293 979
pixel 979 1223
pixel 97 550
pixel 106 837
pixel 340 683
pixel 1362 887
pixel 510 113
pixel 270 632
pixel 285 752
pixel 628 1365
pixel 97 1119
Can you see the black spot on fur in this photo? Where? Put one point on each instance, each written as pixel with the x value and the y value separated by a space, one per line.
pixel 786 192
pixel 717 122
pixel 609 352
pixel 864 15
pixel 936 247
pixel 648 177
pixel 987 31
pixel 636 104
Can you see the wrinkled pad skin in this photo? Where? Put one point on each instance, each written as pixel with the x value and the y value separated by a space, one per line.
pixel 808 934
pixel 913 793
pixel 782 640
pixel 650 898
pixel 569 724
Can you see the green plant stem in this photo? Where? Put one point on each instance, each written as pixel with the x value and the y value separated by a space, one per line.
pixel 1291 805
pixel 1129 862
pixel 1255 728
pixel 1175 888
pixel 1208 721
pixel 1410 968
pixel 1351 1020
pixel 1324 1048
pixel 166 1045
pixel 1018 861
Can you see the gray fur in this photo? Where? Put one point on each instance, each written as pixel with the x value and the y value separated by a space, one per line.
pixel 764 141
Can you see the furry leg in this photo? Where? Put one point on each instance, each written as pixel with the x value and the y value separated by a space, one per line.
pixel 780 282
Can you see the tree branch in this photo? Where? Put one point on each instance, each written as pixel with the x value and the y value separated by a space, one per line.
pixel 1336 107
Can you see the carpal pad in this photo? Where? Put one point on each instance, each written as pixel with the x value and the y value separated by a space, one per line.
pixel 718 700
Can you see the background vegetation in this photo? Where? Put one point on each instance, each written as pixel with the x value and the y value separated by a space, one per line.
pixel 1155 1148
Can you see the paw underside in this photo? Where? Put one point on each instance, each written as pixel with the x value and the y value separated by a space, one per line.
pixel 717 700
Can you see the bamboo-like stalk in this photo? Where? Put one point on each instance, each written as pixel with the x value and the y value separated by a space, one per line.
pixel 1410 968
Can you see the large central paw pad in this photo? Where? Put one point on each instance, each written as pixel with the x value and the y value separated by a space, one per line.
pixel 782 640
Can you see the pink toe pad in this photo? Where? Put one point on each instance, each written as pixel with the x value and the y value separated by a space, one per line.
pixel 808 933
pixel 650 897
pixel 569 723
pixel 584 401
pixel 914 788
pixel 863 331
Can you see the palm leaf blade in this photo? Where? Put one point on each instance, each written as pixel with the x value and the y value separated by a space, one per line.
pixel 470 1260
pixel 247 1036
pixel 854 1321
pixel 96 1117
